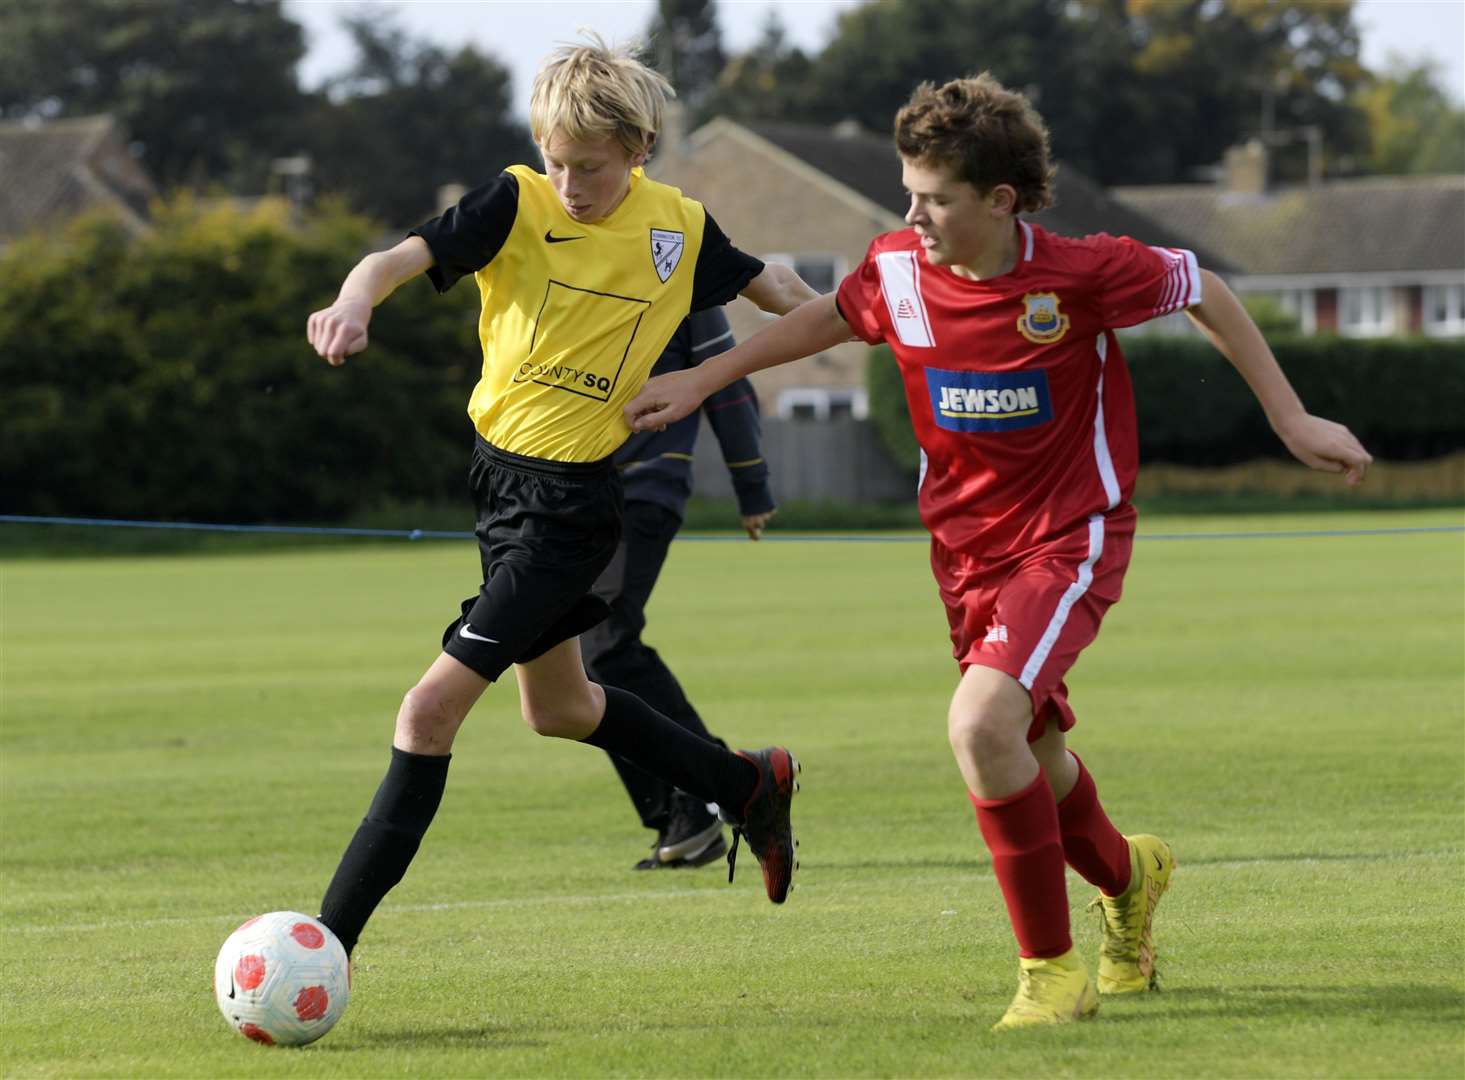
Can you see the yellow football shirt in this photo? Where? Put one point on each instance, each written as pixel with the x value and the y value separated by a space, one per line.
pixel 575 315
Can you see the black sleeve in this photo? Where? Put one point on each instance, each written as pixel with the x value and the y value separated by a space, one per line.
pixel 465 238
pixel 678 352
pixel 733 414
pixel 722 270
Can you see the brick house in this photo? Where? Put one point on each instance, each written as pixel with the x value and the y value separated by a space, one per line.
pixel 51 172
pixel 814 197
pixel 1368 257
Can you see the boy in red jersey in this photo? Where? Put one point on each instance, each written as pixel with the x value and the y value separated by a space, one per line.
pixel 1022 405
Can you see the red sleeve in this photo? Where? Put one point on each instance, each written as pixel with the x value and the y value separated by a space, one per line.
pixel 859 300
pixel 1138 283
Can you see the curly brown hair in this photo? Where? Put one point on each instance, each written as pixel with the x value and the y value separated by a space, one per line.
pixel 986 134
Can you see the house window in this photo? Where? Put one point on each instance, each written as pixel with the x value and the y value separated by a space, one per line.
pixel 822 272
pixel 1301 304
pixel 1444 310
pixel 1365 311
pixel 823 403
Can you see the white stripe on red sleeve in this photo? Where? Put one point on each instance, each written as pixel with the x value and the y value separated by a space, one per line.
pixel 1181 288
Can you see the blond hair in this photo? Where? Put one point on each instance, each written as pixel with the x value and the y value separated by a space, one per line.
pixel 986 134
pixel 592 92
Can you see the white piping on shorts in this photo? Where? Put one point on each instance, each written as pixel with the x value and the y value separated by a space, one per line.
pixel 1070 597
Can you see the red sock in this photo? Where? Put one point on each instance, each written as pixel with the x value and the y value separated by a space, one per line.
pixel 1091 844
pixel 1021 832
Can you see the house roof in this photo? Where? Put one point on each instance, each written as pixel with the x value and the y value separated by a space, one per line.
pixel 867 164
pixel 1364 226
pixel 56 170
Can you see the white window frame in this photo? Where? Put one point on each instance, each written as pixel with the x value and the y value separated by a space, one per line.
pixel 1453 324
pixel 1302 305
pixel 837 264
pixel 822 399
pixel 1365 311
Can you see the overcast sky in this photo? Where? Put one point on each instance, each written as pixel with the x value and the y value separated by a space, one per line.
pixel 520 33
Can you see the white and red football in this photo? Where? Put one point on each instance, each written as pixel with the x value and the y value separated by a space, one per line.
pixel 282 979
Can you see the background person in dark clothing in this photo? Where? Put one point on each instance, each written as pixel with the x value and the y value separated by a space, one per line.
pixel 656 467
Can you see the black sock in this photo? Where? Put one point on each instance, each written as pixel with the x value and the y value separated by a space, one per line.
pixel 385 842
pixel 635 731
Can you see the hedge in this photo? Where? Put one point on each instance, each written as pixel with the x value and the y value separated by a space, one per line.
pixel 168 376
pixel 1400 396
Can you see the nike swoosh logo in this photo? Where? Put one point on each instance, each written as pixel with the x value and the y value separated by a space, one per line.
pixel 1159 865
pixel 551 238
pixel 464 631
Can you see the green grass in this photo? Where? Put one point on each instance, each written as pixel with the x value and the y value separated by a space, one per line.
pixel 191 740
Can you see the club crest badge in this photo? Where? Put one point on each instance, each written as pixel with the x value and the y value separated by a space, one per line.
pixel 666 251
pixel 1041 322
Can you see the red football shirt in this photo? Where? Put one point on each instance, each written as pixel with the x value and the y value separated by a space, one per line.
pixel 1018 392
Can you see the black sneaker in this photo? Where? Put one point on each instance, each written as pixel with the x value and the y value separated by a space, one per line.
pixel 693 837
pixel 765 820
pixel 651 862
pixel 713 851
pixel 691 831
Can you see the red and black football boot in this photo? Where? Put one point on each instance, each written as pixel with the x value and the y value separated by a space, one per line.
pixel 765 820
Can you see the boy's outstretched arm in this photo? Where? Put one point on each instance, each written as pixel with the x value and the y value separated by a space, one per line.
pixel 340 330
pixel 1317 443
pixel 808 329
pixel 778 289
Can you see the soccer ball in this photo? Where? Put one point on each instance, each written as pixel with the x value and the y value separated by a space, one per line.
pixel 282 979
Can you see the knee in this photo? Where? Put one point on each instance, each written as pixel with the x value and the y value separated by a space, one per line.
pixel 427 720
pixel 986 732
pixel 572 718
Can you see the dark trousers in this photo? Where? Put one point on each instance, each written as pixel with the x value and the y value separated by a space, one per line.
pixel 615 655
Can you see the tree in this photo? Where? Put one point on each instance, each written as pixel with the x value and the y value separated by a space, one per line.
pixel 685 45
pixel 1412 125
pixel 166 375
pixel 1133 91
pixel 206 88
pixel 408 118
pixel 768 82
pixel 1228 72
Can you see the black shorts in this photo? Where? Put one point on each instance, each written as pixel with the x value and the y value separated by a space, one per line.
pixel 546 530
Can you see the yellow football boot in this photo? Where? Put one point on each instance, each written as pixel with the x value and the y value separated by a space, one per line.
pixel 1127 958
pixel 1052 991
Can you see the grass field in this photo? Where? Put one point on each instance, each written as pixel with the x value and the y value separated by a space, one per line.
pixel 191 740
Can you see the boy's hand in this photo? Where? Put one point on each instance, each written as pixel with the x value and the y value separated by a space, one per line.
pixel 753 524
pixel 1322 444
pixel 339 330
pixel 664 400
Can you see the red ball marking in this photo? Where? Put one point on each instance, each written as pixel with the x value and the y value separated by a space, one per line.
pixel 248 922
pixel 307 935
pixel 249 972
pixel 311 1002
pixel 257 1033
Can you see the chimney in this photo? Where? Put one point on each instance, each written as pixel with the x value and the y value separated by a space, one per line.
pixel 1244 168
pixel 671 140
pixel 294 173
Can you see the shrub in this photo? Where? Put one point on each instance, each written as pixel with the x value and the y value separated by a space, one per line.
pixel 167 375
pixel 1400 396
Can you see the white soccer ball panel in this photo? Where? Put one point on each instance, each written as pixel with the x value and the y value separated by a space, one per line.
pixel 282 979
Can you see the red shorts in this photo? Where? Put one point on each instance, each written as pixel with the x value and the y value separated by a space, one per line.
pixel 1031 613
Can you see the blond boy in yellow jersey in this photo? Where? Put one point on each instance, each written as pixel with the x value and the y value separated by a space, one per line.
pixel 585 272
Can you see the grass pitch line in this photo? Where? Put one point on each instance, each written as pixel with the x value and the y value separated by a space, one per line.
pixel 960 878
pixel 385 910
